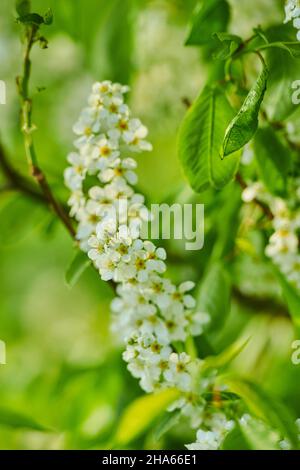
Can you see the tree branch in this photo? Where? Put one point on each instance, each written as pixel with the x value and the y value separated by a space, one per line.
pixel 260 305
pixel 17 181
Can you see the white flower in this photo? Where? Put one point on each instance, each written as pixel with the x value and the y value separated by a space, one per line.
pixel 120 169
pixel 180 298
pixel 191 406
pixel 86 127
pixel 131 301
pixel 138 264
pixel 206 440
pixel 76 202
pixel 96 102
pixel 96 248
pixel 292 12
pixel 105 151
pixel 136 368
pixel 155 257
pixel 147 359
pixel 159 289
pixel 178 371
pixel 107 88
pixel 220 423
pixel 211 439
pixel 103 88
pixel 106 263
pixel 196 321
pixel 121 125
pixel 135 136
pixel 175 324
pixel 290 266
pixel 252 192
pixel 119 189
pixel 247 155
pixel 106 229
pixel 285 444
pixel 115 108
pixel 89 218
pixel 75 174
pixel 137 214
pixel 152 324
pixel 101 196
pixel 282 241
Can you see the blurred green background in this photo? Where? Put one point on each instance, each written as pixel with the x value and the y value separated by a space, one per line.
pixel 64 366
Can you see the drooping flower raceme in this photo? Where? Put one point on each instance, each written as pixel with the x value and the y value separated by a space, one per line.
pixel 153 316
pixel 149 311
pixel 283 246
pixel 292 13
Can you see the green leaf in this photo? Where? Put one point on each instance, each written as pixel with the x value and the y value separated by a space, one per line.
pixel 140 414
pixel 273 160
pixel 265 407
pixel 48 17
pixel 284 70
pixel 293 48
pixel 18 420
pixel 227 226
pixel 31 19
pixel 14 226
pixel 260 34
pixel 111 62
pixel 235 440
pixel 292 298
pixel 210 16
pixel 227 45
pixel 23 7
pixel 203 346
pixel 168 421
pixel 225 357
pixel 213 296
pixel 243 127
pixel 77 267
pixel 200 139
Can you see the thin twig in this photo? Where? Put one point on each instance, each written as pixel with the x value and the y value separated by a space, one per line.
pixel 28 128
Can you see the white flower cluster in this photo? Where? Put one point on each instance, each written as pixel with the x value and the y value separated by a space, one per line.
pixel 215 428
pixel 283 246
pixel 273 436
pixel 150 312
pixel 212 433
pixel 292 13
pixel 100 179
